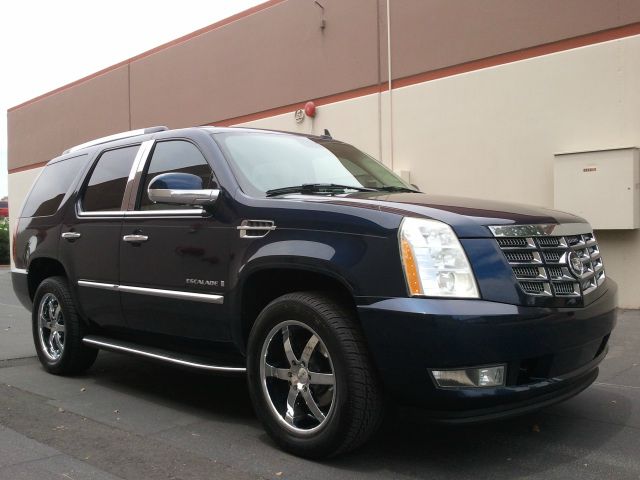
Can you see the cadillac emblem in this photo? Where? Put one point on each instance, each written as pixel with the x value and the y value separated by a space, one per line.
pixel 575 264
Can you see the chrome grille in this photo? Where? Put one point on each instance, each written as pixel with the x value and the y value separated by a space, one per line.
pixel 541 264
pixel 512 242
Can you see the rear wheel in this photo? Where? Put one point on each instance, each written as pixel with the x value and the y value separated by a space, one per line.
pixel 58 330
pixel 310 377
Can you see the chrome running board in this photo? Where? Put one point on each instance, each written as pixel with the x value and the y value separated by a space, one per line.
pixel 158 354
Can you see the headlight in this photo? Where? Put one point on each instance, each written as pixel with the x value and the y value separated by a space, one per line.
pixel 434 262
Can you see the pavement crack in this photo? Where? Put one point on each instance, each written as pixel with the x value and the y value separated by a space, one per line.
pixel 31 460
pixel 616 385
pixel 17 362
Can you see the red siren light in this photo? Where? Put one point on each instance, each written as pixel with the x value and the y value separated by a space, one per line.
pixel 310 109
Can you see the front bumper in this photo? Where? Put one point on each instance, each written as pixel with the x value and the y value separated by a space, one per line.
pixel 551 353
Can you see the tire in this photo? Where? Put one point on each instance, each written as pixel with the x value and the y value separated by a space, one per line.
pixel 335 371
pixel 54 315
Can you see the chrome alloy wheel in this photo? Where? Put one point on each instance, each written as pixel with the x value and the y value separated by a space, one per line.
pixel 51 328
pixel 297 377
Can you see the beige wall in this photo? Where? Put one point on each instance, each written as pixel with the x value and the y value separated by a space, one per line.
pixel 488 133
pixel 493 133
pixel 279 56
pixel 356 119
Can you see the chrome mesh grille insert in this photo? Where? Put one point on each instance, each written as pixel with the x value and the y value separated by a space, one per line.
pixel 553 256
pixel 512 242
pixel 542 264
pixel 549 241
pixel 534 288
pixel 523 257
pixel 564 288
pixel 527 272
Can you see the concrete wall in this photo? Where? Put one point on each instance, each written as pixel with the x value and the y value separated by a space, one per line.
pixel 484 93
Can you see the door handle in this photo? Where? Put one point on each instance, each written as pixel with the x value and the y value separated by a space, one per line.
pixel 71 236
pixel 135 238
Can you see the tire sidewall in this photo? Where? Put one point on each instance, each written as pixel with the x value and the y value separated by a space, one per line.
pixel 327 438
pixel 57 287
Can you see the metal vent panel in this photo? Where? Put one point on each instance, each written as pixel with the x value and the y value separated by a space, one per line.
pixel 255 228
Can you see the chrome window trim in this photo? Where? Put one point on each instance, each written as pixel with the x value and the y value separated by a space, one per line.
pixel 135 173
pixel 540 230
pixel 143 151
pixel 198 212
pixel 21 271
pixel 156 292
pixel 99 214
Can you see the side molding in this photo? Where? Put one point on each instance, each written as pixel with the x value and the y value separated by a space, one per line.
pixel 155 292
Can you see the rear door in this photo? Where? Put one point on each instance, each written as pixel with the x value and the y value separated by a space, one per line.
pixel 90 242
pixel 174 259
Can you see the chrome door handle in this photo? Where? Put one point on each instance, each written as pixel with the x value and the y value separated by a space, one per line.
pixel 71 235
pixel 135 238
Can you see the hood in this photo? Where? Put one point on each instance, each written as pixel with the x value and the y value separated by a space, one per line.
pixel 469 217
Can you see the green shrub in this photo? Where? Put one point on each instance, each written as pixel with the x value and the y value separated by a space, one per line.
pixel 4 241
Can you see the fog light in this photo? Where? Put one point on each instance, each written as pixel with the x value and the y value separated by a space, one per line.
pixel 470 377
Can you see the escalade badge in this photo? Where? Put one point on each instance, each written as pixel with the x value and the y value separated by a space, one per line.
pixel 575 264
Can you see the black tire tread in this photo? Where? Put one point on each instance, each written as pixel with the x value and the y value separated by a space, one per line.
pixel 365 406
pixel 77 357
pixel 366 400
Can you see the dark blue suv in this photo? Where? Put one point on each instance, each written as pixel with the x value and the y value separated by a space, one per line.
pixel 306 264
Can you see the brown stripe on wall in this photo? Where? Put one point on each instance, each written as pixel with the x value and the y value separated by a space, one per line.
pixel 428 35
pixel 555 47
pixel 277 57
pixel 184 38
pixel 29 167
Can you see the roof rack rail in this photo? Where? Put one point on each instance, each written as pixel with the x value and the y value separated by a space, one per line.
pixel 116 136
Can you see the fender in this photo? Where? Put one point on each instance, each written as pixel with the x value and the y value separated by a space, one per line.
pixel 331 260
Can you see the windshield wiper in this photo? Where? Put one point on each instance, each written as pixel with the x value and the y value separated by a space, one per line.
pixel 316 188
pixel 393 188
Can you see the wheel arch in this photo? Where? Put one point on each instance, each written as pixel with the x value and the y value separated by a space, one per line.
pixel 256 289
pixel 40 269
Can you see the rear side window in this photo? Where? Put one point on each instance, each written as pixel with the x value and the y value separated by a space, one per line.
pixel 51 187
pixel 108 180
pixel 174 156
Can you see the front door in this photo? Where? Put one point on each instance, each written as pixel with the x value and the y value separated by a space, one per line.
pixel 173 263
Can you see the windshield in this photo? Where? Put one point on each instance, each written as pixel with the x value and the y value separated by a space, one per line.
pixel 263 162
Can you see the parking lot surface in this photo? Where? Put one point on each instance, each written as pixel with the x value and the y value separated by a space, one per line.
pixel 128 418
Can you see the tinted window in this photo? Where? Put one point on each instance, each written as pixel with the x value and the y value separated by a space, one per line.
pixel 51 187
pixel 174 156
pixel 108 180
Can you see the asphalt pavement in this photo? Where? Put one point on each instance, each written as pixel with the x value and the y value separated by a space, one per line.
pixel 129 418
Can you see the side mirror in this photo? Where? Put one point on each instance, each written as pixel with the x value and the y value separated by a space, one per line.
pixel 181 189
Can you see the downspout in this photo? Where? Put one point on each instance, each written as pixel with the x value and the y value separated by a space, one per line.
pixel 390 82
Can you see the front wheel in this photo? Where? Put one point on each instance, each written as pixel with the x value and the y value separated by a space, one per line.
pixel 310 378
